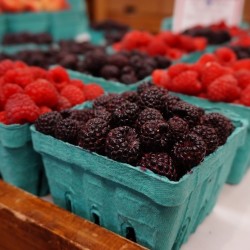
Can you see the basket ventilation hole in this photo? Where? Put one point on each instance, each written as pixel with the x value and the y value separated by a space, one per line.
pixel 68 203
pixel 96 218
pixel 130 234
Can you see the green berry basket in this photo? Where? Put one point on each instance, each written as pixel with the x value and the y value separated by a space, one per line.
pixel 2 26
pixel 135 203
pixel 242 160
pixel 61 24
pixel 20 164
pixel 108 86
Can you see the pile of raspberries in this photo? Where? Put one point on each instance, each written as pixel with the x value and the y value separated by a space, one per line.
pixel 27 92
pixel 219 77
pixel 149 128
pixel 165 43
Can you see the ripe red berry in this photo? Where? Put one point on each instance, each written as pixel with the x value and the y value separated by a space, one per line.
pixel 59 75
pixel 5 65
pixel 20 109
pixel 243 77
pixel 73 94
pixel 19 76
pixel 44 110
pixel 43 93
pixel 78 83
pixel 3 118
pixel 225 56
pixel 224 89
pixel 92 91
pixel 176 69
pixel 8 90
pixel 63 103
pixel 245 96
pixel 187 83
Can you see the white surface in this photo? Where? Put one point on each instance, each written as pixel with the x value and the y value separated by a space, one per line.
pixel 228 227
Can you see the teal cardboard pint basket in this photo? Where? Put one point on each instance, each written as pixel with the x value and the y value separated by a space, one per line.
pixel 20 165
pixel 65 24
pixel 158 213
pixel 107 85
pixel 242 160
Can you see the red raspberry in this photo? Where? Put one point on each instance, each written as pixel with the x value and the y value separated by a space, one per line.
pixel 59 75
pixel 241 64
pixel 176 69
pixel 135 39
pixel 210 72
pixel 168 38
pixel 78 83
pixel 21 109
pixel 187 83
pixel 243 77
pixel 73 94
pixel 245 96
pixel 63 103
pixel 203 95
pixel 8 90
pixel 39 73
pixel 161 78
pixel 44 110
pixel 224 89
pixel 43 93
pixel 200 43
pixel 5 65
pixel 156 47
pixel 225 56
pixel 3 118
pixel 92 91
pixel 174 54
pixel 20 65
pixel 19 76
pixel 186 43
pixel 206 58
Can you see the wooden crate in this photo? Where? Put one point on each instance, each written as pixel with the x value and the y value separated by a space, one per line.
pixel 29 223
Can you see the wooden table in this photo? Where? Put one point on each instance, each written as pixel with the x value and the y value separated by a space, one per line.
pixel 29 223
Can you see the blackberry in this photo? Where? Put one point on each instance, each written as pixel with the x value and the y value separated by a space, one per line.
pixel 188 112
pixel 118 60
pixel 129 78
pixel 46 123
pixel 144 86
pixel 114 102
pixel 144 71
pixel 148 114
pixel 94 61
pixel 125 114
pixel 162 62
pixel 93 134
pixel 82 115
pixel 209 135
pixel 155 136
pixel 159 163
pixel 102 113
pixel 66 113
pixel 152 98
pixel 67 130
pixel 127 70
pixel 122 144
pixel 109 71
pixel 103 100
pixel 222 125
pixel 131 96
pixel 178 128
pixel 169 103
pixel 189 151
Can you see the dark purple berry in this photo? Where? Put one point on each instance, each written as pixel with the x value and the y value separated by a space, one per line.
pixel 46 123
pixel 159 163
pixel 92 135
pixel 178 128
pixel 222 125
pixel 67 130
pixel 209 135
pixel 110 71
pixel 122 144
pixel 155 136
pixel 125 114
pixel 189 151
